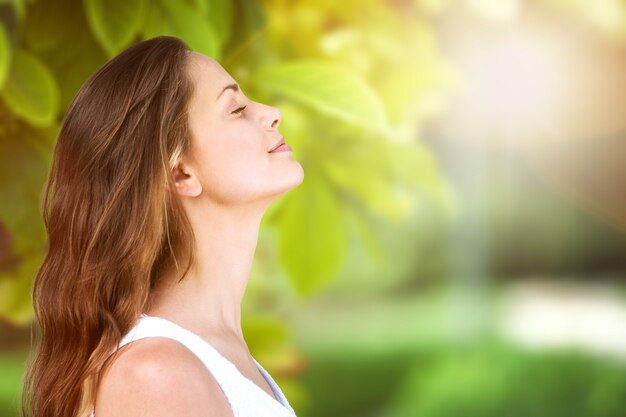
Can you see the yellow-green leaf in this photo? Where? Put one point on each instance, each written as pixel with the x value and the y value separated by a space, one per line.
pixel 380 194
pixel 25 155
pixel 72 66
pixel 311 235
pixel 45 26
pixel 220 15
pixel 31 91
pixel 326 87
pixel 169 17
pixel 114 22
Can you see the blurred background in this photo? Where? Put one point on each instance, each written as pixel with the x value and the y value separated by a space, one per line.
pixel 458 245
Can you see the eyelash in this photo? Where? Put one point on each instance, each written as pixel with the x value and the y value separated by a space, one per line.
pixel 239 110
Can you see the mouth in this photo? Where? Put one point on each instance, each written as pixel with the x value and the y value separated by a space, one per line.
pixel 280 146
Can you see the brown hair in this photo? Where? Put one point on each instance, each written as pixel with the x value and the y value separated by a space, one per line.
pixel 112 221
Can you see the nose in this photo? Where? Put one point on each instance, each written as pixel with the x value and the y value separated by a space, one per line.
pixel 272 117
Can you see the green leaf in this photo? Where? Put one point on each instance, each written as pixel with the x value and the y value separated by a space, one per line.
pixel 253 17
pixel 31 91
pixel 220 15
pixel 201 6
pixel 328 88
pixel 311 236
pixel 45 26
pixel 169 17
pixel 5 55
pixel 379 194
pixel 47 33
pixel 72 66
pixel 363 226
pixel 24 161
pixel 115 23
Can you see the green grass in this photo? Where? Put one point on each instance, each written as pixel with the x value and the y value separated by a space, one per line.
pixel 399 358
pixel 487 379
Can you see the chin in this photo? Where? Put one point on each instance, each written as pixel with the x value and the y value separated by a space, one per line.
pixel 290 181
pixel 293 182
pixel 300 175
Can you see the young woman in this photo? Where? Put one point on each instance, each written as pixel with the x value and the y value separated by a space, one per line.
pixel 161 174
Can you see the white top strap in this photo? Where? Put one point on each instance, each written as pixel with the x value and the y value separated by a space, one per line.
pixel 245 397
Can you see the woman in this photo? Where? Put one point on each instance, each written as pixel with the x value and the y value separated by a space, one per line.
pixel 161 174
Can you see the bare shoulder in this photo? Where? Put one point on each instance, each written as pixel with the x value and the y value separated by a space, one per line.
pixel 157 376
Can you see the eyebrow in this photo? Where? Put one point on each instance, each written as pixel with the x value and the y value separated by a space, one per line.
pixel 234 87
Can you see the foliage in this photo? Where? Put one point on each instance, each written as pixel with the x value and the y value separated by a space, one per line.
pixel 334 75
pixel 500 380
pixel 355 82
pixel 338 88
pixel 486 380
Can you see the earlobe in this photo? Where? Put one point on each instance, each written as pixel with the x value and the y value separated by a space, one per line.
pixel 186 182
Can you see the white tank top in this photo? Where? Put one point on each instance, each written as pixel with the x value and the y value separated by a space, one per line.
pixel 245 397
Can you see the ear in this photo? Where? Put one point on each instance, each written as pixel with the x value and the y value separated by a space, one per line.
pixel 186 181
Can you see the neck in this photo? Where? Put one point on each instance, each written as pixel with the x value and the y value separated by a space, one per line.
pixel 210 295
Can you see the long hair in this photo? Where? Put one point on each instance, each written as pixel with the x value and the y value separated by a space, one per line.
pixel 112 218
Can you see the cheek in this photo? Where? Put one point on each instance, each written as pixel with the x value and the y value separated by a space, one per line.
pixel 240 146
pixel 227 146
pixel 233 166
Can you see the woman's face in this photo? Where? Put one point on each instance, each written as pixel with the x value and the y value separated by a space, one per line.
pixel 229 150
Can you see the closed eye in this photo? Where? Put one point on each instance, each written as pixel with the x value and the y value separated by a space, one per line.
pixel 239 110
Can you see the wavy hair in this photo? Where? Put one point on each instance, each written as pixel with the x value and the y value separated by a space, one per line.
pixel 112 218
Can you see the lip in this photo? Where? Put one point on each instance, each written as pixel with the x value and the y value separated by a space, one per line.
pixel 280 142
